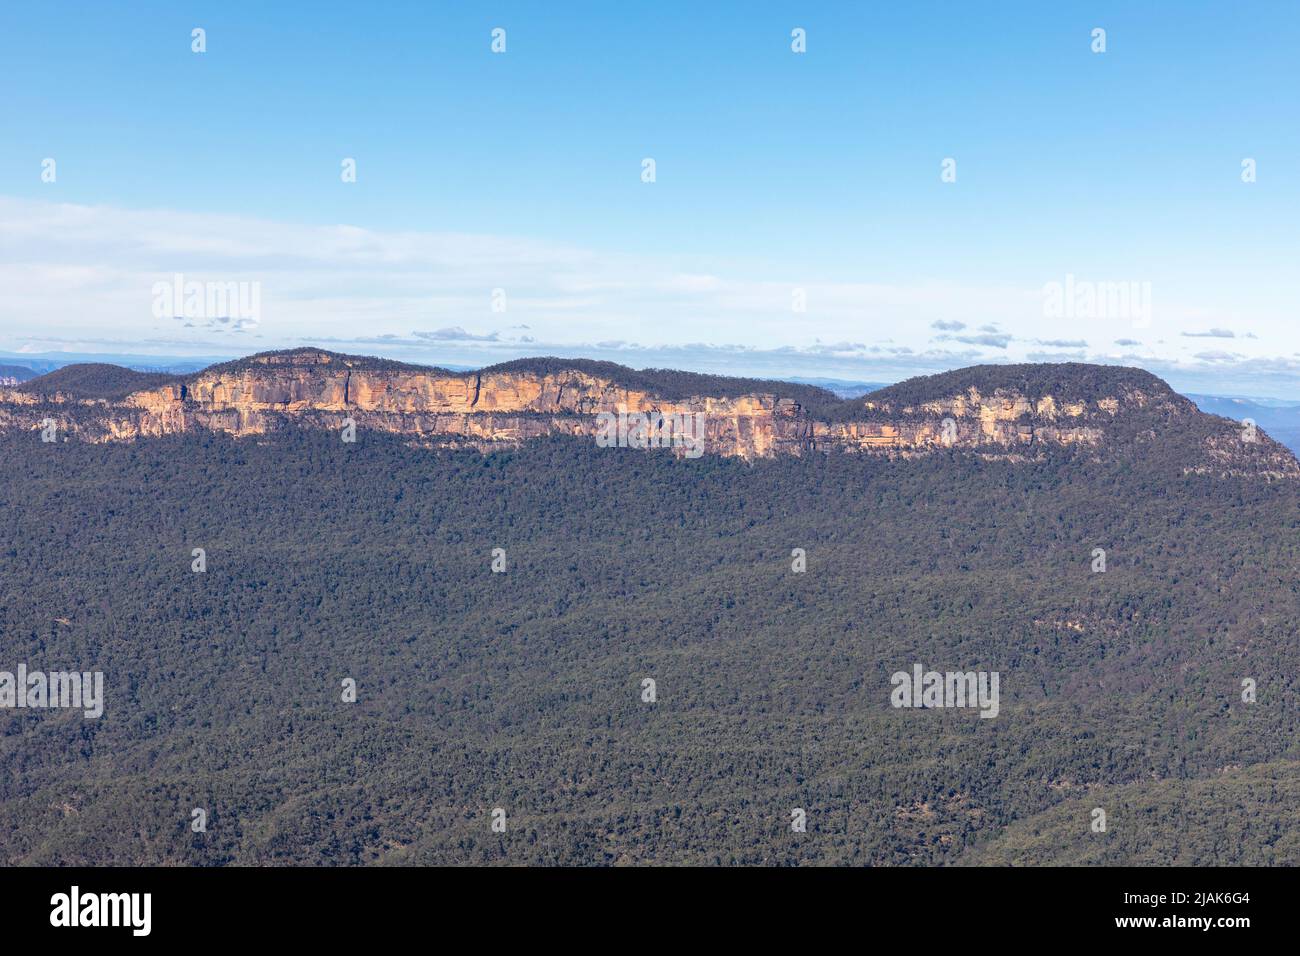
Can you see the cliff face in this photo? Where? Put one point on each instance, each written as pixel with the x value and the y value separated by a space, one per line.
pixel 507 405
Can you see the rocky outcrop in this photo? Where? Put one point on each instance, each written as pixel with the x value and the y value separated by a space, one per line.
pixel 510 404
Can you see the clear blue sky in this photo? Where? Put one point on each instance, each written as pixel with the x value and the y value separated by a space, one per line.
pixel 816 170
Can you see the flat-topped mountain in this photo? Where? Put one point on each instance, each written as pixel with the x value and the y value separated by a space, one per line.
pixel 1000 410
pixel 1122 562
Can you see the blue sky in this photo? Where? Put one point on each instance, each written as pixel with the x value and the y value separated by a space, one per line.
pixel 776 174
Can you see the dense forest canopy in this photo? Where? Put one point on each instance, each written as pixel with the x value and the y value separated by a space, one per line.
pixel 94 380
pixel 1065 381
pixel 523 690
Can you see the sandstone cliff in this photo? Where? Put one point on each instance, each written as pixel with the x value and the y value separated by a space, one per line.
pixel 1001 411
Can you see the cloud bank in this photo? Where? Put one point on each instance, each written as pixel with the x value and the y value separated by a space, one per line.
pixel 83 278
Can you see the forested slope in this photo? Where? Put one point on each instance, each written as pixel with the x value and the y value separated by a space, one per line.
pixel 523 690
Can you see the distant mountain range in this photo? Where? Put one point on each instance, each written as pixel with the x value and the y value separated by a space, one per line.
pixel 14 374
pixel 1279 418
pixel 841 387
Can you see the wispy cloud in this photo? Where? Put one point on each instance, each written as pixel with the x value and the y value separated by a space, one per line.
pixel 995 340
pixel 85 269
pixel 80 278
pixel 1214 334
pixel 456 334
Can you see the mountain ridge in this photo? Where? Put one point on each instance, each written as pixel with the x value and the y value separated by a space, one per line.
pixel 1003 410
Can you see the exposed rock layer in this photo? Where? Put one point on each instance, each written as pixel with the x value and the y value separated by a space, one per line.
pixel 497 407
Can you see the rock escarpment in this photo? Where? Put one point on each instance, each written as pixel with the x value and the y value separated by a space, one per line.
pixel 1001 411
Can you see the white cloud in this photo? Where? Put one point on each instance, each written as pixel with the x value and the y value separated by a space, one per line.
pixel 79 278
